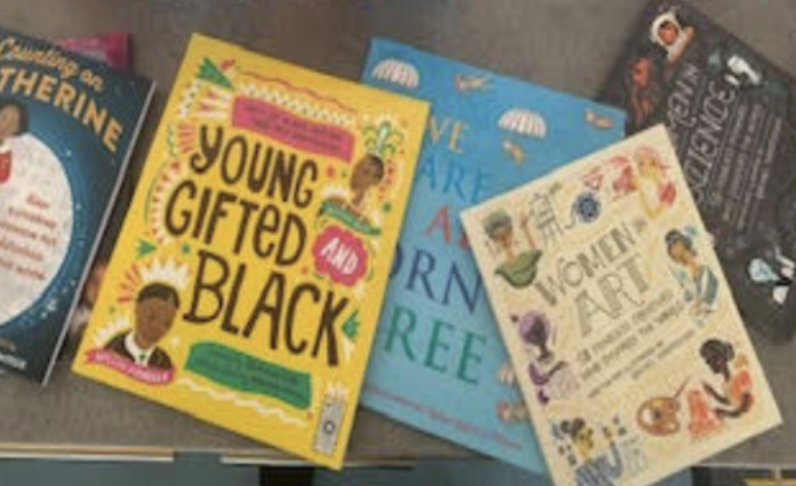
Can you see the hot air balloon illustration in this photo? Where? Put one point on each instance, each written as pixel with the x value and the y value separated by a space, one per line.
pixel 397 72
pixel 523 122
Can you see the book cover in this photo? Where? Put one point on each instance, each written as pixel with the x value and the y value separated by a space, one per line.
pixel 632 356
pixel 247 279
pixel 487 133
pixel 748 475
pixel 67 127
pixel 112 48
pixel 731 116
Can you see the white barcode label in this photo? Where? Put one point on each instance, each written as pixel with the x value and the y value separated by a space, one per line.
pixel 329 425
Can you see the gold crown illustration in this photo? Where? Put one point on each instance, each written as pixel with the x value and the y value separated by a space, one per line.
pixel 167 272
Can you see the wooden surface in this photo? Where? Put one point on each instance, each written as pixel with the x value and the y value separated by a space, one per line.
pixel 566 44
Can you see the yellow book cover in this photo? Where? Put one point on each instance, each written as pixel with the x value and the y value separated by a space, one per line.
pixel 247 280
pixel 627 344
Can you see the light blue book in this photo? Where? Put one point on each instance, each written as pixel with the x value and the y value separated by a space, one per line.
pixel 438 362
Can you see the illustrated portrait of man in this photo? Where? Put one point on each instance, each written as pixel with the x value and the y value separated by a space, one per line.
pixel 368 173
pixel 156 308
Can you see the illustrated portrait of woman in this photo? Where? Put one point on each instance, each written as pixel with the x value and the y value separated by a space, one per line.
pixel 14 119
pixel 702 286
pixel 599 470
pixel 671 34
pixel 646 175
pixel 519 267
pixel 702 417
pixel 655 190
pixel 734 398
pixel 644 93
pixel 552 378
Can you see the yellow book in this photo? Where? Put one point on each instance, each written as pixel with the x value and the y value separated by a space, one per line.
pixel 248 277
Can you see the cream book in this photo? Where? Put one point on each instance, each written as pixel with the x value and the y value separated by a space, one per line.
pixel 629 349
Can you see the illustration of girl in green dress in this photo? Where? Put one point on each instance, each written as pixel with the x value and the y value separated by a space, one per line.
pixel 519 268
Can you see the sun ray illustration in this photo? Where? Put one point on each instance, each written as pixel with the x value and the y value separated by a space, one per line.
pixel 128 287
pixel 168 271
pixel 187 100
pixel 166 181
pixel 186 137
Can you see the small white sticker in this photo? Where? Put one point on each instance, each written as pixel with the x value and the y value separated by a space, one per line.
pixel 329 425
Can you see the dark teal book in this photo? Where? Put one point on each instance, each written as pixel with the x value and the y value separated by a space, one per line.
pixel 438 362
pixel 67 128
pixel 731 114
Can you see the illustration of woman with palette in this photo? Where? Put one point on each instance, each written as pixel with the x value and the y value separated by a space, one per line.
pixel 735 398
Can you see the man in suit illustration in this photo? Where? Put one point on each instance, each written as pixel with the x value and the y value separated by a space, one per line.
pixel 155 309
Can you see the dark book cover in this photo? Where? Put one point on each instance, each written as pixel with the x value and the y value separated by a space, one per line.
pixel 743 476
pixel 67 128
pixel 731 114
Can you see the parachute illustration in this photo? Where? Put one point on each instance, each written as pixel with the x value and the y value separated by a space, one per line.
pixel 523 122
pixel 397 72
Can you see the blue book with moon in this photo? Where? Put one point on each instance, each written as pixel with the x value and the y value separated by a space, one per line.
pixel 67 128
pixel 438 362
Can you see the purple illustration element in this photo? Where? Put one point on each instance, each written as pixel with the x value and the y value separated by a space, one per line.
pixel 548 376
